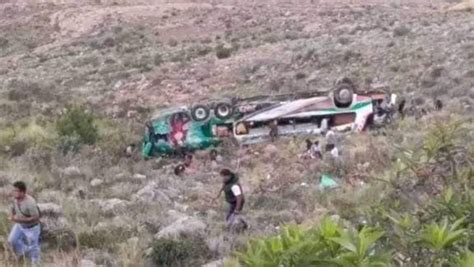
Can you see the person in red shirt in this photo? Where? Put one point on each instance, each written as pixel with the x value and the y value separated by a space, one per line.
pixel 178 129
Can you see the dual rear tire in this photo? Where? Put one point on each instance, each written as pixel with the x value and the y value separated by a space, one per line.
pixel 221 110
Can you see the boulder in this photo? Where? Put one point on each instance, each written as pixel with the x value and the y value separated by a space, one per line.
pixel 55 230
pixel 151 193
pixel 96 182
pixel 50 210
pixel 113 205
pixel 184 226
pixel 138 176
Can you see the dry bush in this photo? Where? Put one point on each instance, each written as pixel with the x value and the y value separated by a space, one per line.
pixel 107 239
pixel 187 251
pixel 223 51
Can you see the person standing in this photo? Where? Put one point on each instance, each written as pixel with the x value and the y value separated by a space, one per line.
pixel 233 195
pixel 24 236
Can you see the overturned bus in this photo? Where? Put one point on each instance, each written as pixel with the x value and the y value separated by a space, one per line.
pixel 256 119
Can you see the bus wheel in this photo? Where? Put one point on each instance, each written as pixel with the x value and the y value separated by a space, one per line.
pixel 223 111
pixel 200 113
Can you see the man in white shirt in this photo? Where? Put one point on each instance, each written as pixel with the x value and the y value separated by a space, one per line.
pixel 335 152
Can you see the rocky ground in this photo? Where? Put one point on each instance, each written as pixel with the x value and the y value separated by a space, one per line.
pixel 125 59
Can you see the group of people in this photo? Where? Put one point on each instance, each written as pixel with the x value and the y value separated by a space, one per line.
pixel 315 151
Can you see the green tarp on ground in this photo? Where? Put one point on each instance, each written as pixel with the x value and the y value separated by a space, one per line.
pixel 327 182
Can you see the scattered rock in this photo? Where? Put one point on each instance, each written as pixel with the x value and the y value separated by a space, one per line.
pixel 72 171
pixel 87 263
pixel 217 263
pixel 467 5
pixel 50 210
pixel 96 182
pixel 151 193
pixel 270 150
pixel 139 176
pixel 55 230
pixel 113 205
pixel 185 225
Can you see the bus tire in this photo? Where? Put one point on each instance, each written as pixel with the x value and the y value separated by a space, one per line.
pixel 223 111
pixel 200 113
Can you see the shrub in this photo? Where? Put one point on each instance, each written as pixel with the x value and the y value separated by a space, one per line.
pixel 77 123
pixel 3 42
pixel 68 144
pixel 223 51
pixel 93 239
pixel 103 239
pixel 172 42
pixel 328 244
pixel 4 224
pixel 16 138
pixel 184 252
pixel 158 59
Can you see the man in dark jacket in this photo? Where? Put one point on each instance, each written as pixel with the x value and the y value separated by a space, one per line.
pixel 233 195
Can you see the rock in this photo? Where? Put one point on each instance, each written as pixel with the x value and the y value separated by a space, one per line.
pixel 313 77
pixel 181 207
pixel 113 205
pixel 50 209
pixel 115 223
pixel 87 263
pixel 96 182
pixel 217 263
pixel 138 176
pixel 71 171
pixel 270 150
pixel 466 5
pixel 151 193
pixel 185 225
pixel 55 230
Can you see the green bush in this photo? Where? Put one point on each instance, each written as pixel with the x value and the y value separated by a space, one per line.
pixel 16 138
pixel 184 252
pixel 427 205
pixel 422 210
pixel 329 244
pixel 69 144
pixel 78 124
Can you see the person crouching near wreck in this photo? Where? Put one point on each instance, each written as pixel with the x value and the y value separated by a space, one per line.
pixel 24 236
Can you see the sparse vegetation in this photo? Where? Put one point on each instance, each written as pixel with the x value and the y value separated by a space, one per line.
pixel 432 232
pixel 408 184
pixel 183 252
pixel 223 51
pixel 77 125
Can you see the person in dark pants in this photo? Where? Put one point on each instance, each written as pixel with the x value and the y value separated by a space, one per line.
pixel 233 195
